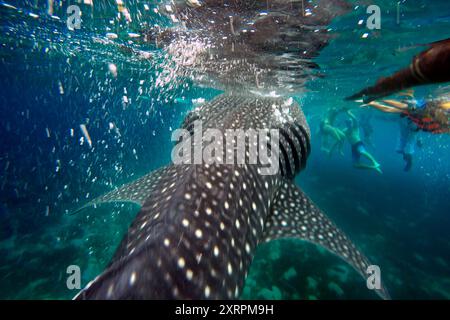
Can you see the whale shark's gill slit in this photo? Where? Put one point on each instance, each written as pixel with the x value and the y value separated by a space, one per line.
pixel 301 148
pixel 302 137
pixel 294 215
pixel 280 156
pixel 284 161
pixel 295 149
pixel 302 133
pixel 292 160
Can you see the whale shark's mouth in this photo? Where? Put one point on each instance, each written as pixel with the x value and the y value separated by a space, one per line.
pixel 248 45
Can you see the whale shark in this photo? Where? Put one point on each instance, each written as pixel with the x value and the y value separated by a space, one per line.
pixel 199 224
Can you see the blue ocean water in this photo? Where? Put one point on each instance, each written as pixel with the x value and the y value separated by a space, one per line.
pixel 53 80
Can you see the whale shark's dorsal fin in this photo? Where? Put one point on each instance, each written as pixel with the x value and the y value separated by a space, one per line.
pixel 294 215
pixel 135 192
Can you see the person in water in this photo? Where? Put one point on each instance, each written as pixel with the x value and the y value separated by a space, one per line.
pixel 429 116
pixel 332 136
pixel 407 142
pixel 353 135
pixel 367 129
pixel 430 66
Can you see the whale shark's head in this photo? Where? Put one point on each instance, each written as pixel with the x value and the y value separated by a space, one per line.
pixel 280 120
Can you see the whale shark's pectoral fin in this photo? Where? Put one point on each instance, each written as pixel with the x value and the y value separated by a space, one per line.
pixel 294 215
pixel 135 192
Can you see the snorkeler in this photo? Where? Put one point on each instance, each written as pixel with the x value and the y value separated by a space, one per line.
pixel 430 66
pixel 358 149
pixel 367 128
pixel 429 116
pixel 407 142
pixel 329 131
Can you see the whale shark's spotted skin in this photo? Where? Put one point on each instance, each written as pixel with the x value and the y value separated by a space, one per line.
pixel 196 232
